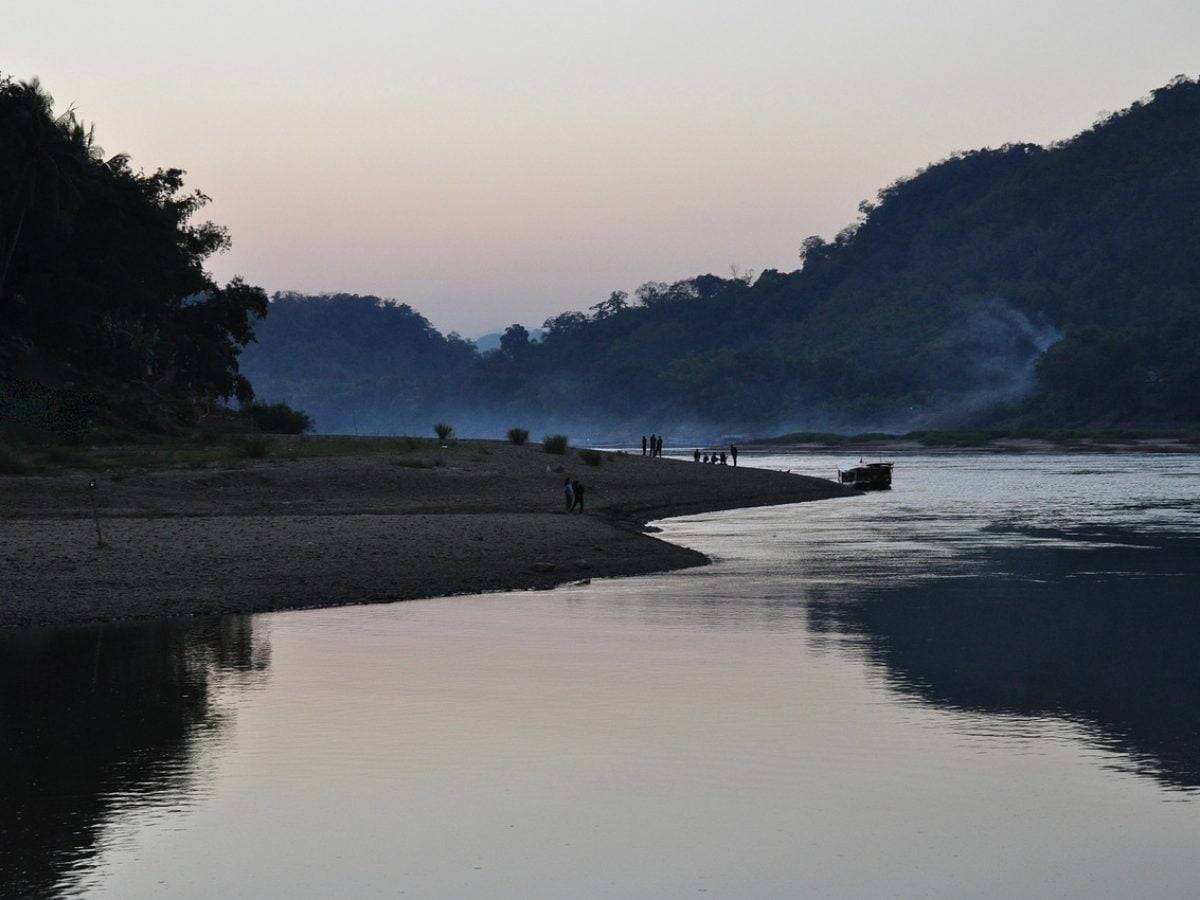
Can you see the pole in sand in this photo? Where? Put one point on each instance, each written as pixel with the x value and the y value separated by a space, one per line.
pixel 95 513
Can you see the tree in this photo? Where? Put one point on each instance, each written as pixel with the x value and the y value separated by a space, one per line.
pixel 515 340
pixel 102 279
pixel 616 302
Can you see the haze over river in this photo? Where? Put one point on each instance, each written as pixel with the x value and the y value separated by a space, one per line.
pixel 985 682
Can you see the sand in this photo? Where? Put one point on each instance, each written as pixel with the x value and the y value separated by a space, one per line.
pixel 326 532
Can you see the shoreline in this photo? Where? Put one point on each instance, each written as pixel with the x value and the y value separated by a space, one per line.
pixel 998 446
pixel 474 517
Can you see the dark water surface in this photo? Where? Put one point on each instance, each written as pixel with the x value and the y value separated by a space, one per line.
pixel 985 682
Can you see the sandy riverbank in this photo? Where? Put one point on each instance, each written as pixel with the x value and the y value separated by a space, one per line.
pixel 478 516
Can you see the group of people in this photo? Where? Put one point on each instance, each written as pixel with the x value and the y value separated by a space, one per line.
pixel 574 494
pixel 653 446
pixel 716 458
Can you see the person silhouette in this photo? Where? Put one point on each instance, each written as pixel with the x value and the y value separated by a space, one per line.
pixel 569 491
pixel 722 457
pixel 733 453
pixel 643 445
pixel 696 456
pixel 577 490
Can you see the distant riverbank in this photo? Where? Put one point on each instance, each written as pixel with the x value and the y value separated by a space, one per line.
pixel 409 520
pixel 1021 441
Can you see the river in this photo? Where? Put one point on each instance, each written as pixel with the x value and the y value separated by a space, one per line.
pixel 985 682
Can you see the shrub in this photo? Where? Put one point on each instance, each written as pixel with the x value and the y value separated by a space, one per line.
pixel 251 446
pixel 443 431
pixel 279 418
pixel 518 436
pixel 591 457
pixel 555 443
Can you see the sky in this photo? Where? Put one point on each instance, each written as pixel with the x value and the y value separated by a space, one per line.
pixel 498 162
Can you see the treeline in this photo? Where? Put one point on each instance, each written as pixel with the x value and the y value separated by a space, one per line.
pixel 1023 286
pixel 107 317
pixel 359 364
pixel 1018 287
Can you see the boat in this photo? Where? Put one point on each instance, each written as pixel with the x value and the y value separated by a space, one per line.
pixel 869 477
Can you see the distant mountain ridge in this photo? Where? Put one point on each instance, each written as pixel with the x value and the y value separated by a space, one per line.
pixel 1024 285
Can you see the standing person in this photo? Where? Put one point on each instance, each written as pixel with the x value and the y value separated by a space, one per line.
pixel 733 453
pixel 577 490
pixel 660 445
pixel 569 491
pixel 643 445
pixel 696 455
pixel 653 444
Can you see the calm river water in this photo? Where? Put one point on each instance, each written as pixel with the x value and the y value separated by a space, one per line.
pixel 983 683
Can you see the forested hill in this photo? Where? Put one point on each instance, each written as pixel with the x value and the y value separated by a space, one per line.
pixel 359 364
pixel 1021 285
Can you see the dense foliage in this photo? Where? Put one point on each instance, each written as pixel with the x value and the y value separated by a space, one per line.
pixel 106 313
pixel 279 418
pixel 358 364
pixel 1023 285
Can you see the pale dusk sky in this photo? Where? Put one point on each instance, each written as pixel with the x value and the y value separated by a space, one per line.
pixel 499 162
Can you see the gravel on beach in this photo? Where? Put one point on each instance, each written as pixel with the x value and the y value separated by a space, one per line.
pixel 476 516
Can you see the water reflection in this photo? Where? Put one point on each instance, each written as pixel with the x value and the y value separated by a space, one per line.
pixel 93 721
pixel 1030 586
pixel 1107 639
pixel 1026 626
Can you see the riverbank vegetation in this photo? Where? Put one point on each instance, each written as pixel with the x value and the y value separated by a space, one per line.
pixel 1024 287
pixel 112 328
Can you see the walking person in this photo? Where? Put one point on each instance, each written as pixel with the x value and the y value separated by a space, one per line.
pixel 577 490
pixel 569 491
pixel 733 453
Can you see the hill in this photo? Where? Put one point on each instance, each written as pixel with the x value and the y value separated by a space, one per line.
pixel 1023 286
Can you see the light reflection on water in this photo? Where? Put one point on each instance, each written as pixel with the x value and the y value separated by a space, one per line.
pixel 983 682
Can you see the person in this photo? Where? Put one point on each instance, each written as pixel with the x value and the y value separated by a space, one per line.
pixel 722 457
pixel 643 445
pixel 733 453
pixel 659 445
pixel 652 444
pixel 569 491
pixel 577 491
pixel 696 455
